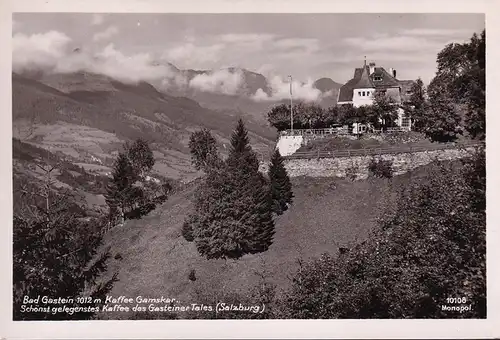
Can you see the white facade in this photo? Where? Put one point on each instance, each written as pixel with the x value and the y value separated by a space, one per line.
pixel 362 97
pixel 287 145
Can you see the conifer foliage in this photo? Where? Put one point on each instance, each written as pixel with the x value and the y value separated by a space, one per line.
pixel 56 254
pixel 233 206
pixel 280 185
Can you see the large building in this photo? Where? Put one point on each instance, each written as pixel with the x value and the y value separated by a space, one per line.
pixel 367 79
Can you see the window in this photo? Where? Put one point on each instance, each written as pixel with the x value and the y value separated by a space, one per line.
pixel 377 78
pixel 359 93
pixel 363 93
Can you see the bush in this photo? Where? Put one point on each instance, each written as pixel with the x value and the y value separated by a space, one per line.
pixel 192 275
pixel 187 229
pixel 351 172
pixel 380 168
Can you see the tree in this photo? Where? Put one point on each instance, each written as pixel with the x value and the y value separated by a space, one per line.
pixel 279 117
pixel 305 116
pixel 460 83
pixel 232 220
pixel 433 246
pixel 56 254
pixel 233 205
pixel 203 147
pixel 473 88
pixel 416 105
pixel 384 111
pixel 120 186
pixel 140 156
pixel 241 156
pixel 441 121
pixel 281 187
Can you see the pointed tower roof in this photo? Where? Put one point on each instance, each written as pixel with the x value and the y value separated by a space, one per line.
pixel 365 81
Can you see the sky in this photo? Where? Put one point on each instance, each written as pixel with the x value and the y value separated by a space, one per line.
pixel 306 46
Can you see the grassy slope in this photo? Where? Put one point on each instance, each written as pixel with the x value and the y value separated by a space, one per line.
pixel 327 213
pixel 87 188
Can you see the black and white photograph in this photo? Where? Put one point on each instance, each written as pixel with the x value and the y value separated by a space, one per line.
pixel 262 166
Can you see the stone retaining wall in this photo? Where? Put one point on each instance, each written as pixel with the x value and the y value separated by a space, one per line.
pixel 336 167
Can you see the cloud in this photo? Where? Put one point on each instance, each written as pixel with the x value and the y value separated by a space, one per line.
pixel 42 50
pixel 280 89
pixel 266 69
pixel 189 54
pixel 97 19
pixel 53 52
pixel 129 68
pixel 393 43
pixel 248 41
pixel 221 81
pixel 435 32
pixel 106 34
pixel 307 45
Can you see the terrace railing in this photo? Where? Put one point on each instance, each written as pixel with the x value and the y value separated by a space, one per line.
pixel 337 131
pixel 309 132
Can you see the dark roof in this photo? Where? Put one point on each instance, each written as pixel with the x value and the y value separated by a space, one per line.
pixel 405 88
pixel 363 79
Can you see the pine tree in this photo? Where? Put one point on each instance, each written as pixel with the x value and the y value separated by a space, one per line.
pixel 261 221
pixel 241 156
pixel 233 214
pixel 280 186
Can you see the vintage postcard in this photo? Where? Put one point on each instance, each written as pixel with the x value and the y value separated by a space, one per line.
pixel 249 169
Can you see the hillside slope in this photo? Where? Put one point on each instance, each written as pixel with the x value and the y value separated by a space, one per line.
pixel 88 117
pixel 155 259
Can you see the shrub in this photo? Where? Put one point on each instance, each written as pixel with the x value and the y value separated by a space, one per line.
pixel 380 168
pixel 187 229
pixel 351 172
pixel 192 275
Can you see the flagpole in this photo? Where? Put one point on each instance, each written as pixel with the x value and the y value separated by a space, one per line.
pixel 291 107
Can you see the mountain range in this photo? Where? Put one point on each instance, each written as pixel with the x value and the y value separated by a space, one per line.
pixel 84 118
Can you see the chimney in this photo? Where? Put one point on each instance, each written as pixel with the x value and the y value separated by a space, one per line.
pixel 394 73
pixel 372 68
